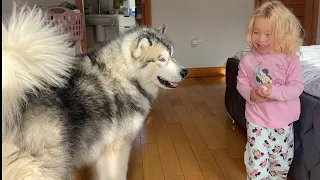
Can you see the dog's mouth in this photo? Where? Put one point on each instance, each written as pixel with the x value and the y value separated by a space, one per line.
pixel 167 84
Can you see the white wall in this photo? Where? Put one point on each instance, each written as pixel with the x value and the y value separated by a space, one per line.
pixel 7 8
pixel 220 23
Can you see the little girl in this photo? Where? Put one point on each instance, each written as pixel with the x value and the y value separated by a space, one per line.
pixel 270 80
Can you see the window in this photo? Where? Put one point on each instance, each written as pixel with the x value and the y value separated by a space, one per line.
pixel 132 5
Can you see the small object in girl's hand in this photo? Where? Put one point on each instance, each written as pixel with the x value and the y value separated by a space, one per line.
pixel 264 88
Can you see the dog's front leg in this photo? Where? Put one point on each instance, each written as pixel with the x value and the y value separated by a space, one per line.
pixel 113 163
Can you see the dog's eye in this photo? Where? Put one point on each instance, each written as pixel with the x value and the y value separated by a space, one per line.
pixel 162 60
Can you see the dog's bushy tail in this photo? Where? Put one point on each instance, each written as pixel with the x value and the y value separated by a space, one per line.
pixel 34 56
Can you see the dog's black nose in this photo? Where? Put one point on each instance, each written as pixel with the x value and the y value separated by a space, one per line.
pixel 183 73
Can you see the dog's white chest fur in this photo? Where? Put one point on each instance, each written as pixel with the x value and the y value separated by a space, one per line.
pixel 129 127
pixel 122 133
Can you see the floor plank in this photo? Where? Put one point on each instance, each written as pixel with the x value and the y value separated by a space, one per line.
pixel 147 132
pixel 228 167
pixel 175 178
pixel 168 156
pixel 151 162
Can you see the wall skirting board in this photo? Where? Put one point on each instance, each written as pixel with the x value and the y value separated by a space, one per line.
pixel 206 71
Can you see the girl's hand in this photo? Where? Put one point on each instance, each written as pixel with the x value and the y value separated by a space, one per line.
pixel 264 92
pixel 254 96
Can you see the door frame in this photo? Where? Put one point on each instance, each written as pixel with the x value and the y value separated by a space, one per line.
pixel 84 36
pixel 311 25
pixel 145 6
pixel 147 14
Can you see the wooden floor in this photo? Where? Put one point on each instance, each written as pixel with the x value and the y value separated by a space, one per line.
pixel 188 136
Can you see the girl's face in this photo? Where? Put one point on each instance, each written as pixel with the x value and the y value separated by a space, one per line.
pixel 261 36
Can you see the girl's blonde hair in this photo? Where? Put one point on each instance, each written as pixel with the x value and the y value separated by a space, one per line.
pixel 286 28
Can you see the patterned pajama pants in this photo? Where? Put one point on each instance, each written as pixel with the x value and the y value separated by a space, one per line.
pixel 269 152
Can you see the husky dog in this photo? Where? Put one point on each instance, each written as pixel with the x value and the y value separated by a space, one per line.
pixel 62 112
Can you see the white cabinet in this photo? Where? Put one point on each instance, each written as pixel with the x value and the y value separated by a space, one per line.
pixel 125 23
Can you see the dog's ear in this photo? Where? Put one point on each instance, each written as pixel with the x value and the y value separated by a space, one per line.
pixel 143 43
pixel 162 29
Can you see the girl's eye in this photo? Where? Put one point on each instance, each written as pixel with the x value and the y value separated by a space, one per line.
pixel 255 33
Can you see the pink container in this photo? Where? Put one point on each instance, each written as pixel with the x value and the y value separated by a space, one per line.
pixel 70 22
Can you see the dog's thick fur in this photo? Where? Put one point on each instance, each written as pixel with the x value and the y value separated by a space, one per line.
pixel 61 112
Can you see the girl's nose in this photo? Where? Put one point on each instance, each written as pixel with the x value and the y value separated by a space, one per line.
pixel 262 38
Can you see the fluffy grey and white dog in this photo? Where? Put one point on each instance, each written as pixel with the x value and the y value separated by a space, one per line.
pixel 61 112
